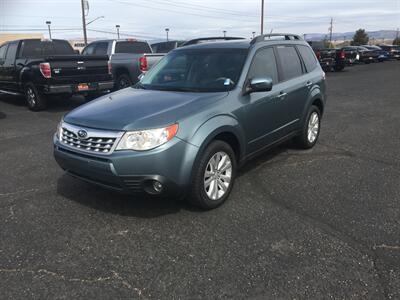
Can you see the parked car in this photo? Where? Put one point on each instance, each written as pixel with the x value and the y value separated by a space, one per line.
pixel 351 54
pixel 195 117
pixel 128 58
pixel 40 68
pixel 165 47
pixel 366 55
pixel 329 58
pixel 393 51
pixel 382 54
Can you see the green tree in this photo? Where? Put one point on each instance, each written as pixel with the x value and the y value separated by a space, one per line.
pixel 396 41
pixel 360 38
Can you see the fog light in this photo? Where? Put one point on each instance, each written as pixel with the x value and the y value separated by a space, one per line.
pixel 157 186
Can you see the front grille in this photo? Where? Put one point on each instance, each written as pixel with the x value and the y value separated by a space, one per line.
pixel 94 143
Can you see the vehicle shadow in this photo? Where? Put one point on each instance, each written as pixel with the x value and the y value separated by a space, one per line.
pixel 143 207
pixel 55 104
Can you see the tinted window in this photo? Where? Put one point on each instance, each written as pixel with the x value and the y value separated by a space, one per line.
pixel 38 48
pixel 101 48
pixel 89 50
pixel 11 53
pixel 264 65
pixel 290 62
pixel 3 52
pixel 164 47
pixel 132 47
pixel 211 70
pixel 308 57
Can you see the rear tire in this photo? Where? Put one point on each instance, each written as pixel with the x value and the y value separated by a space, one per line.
pixel 310 130
pixel 35 100
pixel 213 176
pixel 123 81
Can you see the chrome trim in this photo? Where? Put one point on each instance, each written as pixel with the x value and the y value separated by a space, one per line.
pixel 91 133
pixel 10 93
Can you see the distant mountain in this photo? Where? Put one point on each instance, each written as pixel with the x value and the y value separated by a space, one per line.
pixel 380 34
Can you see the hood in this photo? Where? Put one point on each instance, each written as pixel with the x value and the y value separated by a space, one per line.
pixel 135 109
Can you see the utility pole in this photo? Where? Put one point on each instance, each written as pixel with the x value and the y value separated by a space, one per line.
pixel 84 22
pixel 262 17
pixel 330 33
pixel 48 25
pixel 397 33
pixel 117 26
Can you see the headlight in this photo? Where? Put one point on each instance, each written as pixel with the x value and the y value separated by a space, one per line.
pixel 147 139
pixel 59 130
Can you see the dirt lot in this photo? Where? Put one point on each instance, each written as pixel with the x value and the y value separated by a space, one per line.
pixel 323 223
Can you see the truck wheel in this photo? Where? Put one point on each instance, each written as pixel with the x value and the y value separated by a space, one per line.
pixel 310 130
pixel 35 100
pixel 213 176
pixel 123 81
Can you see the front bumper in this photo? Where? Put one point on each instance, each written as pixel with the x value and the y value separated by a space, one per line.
pixel 72 88
pixel 133 172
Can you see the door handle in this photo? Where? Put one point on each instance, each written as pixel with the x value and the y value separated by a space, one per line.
pixel 281 95
pixel 309 83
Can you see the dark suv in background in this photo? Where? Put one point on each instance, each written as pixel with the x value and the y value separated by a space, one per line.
pixel 195 117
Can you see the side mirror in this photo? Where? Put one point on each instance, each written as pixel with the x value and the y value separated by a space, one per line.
pixel 259 85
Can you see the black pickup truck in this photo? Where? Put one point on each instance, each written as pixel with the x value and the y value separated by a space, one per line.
pixel 328 58
pixel 39 68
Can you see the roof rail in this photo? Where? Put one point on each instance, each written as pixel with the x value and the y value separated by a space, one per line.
pixel 286 36
pixel 199 40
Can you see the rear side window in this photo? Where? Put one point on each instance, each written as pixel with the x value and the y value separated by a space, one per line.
pixel 101 48
pixel 38 48
pixel 3 52
pixel 132 47
pixel 308 57
pixel 164 47
pixel 264 65
pixel 290 62
pixel 11 53
pixel 89 50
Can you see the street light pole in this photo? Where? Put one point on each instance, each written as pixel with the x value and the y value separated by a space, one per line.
pixel 84 22
pixel 224 32
pixel 117 26
pixel 254 34
pixel 167 30
pixel 262 17
pixel 48 25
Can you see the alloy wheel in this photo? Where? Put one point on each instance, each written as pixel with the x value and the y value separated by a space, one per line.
pixel 313 127
pixel 218 175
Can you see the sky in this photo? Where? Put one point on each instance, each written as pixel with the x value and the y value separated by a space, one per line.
pixel 147 19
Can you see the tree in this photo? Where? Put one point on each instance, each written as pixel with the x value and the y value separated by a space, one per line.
pixel 360 38
pixel 396 41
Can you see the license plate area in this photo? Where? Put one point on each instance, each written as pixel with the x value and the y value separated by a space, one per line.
pixel 83 87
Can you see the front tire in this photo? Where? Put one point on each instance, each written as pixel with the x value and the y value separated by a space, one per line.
pixel 310 130
pixel 213 176
pixel 35 100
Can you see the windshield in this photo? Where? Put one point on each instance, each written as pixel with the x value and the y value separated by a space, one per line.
pixel 197 70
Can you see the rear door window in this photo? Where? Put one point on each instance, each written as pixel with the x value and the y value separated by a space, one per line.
pixel 101 48
pixel 264 65
pixel 132 47
pixel 289 62
pixel 11 53
pixel 3 50
pixel 309 58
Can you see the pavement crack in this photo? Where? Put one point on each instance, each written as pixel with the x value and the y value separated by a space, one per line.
pixel 386 247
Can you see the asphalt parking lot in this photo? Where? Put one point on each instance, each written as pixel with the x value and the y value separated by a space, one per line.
pixel 323 223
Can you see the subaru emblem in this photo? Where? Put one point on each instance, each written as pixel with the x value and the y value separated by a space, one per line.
pixel 82 134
